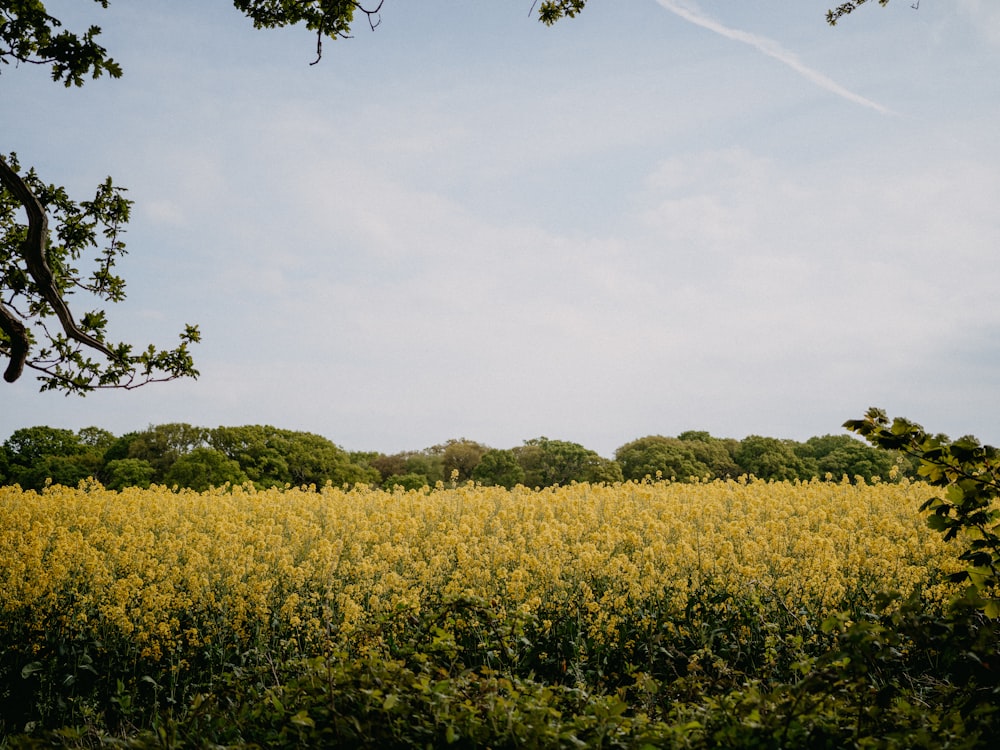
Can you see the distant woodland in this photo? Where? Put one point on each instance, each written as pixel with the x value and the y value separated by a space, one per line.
pixel 184 456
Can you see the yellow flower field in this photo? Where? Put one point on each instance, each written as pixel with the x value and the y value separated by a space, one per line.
pixel 164 574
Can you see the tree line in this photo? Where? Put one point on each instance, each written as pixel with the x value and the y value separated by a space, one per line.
pixel 185 456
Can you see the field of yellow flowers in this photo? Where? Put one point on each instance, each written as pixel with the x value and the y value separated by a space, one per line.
pixel 113 601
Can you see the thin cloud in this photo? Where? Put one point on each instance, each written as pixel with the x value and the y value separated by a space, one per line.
pixel 691 12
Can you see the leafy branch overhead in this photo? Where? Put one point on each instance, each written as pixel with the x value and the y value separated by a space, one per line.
pixel 969 474
pixel 328 18
pixel 835 14
pixel 38 270
pixel 28 34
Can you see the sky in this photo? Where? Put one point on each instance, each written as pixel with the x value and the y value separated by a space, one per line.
pixel 659 216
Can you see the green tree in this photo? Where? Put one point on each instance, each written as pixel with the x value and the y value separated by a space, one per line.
pixel 274 457
pixel 313 459
pixel 656 455
pixel 29 444
pixel 259 451
pixel 843 455
pixel 120 473
pixel 771 458
pixel 161 445
pixel 202 469
pixel 424 463
pixel 96 438
pixel 364 460
pixel 430 464
pixel 460 457
pixel 64 470
pixel 500 468
pixel 36 456
pixel 548 462
pixel 388 465
pixel 119 447
pixel 716 453
pixel 604 471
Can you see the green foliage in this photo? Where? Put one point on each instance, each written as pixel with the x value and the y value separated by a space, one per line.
pixel 427 464
pixel 892 680
pixel 259 451
pixel 771 458
pixel 656 456
pixel 715 453
pixel 119 447
pixel 39 273
pixel 364 460
pixel 969 474
pixel 30 444
pixel 37 456
pixel 95 437
pixel 726 672
pixel 844 456
pixel 835 14
pixel 548 462
pixel 604 471
pixel 120 473
pixel 313 459
pixel 203 468
pixel 160 445
pixel 28 34
pixel 499 468
pixel 275 457
pixel 65 470
pixel 551 11
pixel 182 454
pixel 460 457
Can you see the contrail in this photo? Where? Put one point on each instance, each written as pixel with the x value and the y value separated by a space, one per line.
pixel 691 12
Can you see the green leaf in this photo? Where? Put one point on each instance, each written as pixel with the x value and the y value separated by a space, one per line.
pixel 991 608
pixel 939 523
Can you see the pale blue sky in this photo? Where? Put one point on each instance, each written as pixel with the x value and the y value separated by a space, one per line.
pixel 656 217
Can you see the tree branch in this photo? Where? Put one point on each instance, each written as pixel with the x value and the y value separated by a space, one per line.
pixel 17 334
pixel 835 14
pixel 33 251
pixel 321 30
pixel 371 13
